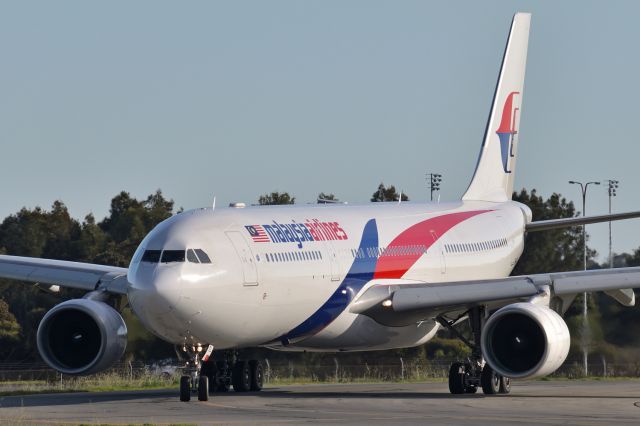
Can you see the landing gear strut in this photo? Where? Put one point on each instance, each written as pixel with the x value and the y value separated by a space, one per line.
pixel 467 377
pixel 204 375
pixel 192 380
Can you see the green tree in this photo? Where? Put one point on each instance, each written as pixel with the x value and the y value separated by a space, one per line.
pixel 560 250
pixel 552 250
pixel 275 198
pixel 327 196
pixel 129 221
pixel 9 330
pixel 620 324
pixel 54 234
pixel 387 193
pixel 92 240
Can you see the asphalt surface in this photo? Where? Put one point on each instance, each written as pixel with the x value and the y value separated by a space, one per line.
pixel 545 402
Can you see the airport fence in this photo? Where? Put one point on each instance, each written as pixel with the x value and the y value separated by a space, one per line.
pixel 418 370
pixel 329 370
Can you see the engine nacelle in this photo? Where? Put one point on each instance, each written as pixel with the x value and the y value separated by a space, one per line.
pixel 524 340
pixel 81 336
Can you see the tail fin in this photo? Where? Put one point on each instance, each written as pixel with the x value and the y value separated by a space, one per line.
pixel 493 178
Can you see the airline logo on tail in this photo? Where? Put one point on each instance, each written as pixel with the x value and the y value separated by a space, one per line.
pixel 507 130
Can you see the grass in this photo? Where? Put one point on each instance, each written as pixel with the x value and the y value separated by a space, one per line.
pixel 96 383
pixel 116 381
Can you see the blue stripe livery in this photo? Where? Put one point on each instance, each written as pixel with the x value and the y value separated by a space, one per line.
pixel 361 272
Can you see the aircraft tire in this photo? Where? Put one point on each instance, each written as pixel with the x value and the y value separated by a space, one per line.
pixel 456 378
pixel 208 369
pixel 490 381
pixel 203 388
pixel 185 388
pixel 241 376
pixel 257 375
pixel 505 385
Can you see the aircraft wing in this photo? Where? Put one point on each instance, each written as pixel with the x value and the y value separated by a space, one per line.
pixel 401 303
pixel 84 276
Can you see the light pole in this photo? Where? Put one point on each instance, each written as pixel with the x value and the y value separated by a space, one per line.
pixel 583 188
pixel 613 189
pixel 433 180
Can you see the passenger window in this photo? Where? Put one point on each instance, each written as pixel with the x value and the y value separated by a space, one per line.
pixel 204 258
pixel 151 256
pixel 169 256
pixel 191 256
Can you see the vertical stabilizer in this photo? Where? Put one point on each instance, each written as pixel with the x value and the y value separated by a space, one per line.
pixel 495 171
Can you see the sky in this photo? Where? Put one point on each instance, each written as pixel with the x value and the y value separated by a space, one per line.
pixel 239 98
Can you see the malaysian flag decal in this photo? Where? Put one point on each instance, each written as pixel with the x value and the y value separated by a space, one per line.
pixel 257 233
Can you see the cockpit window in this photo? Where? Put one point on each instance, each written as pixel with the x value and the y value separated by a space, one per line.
pixel 151 256
pixel 172 256
pixel 202 256
pixel 191 256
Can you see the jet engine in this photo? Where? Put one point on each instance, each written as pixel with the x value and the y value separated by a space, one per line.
pixel 81 336
pixel 524 340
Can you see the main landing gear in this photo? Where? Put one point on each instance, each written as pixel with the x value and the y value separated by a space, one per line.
pixel 467 377
pixel 204 375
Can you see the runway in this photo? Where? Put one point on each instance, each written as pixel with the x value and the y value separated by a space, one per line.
pixel 543 402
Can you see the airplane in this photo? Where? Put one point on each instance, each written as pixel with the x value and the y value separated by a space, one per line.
pixel 336 277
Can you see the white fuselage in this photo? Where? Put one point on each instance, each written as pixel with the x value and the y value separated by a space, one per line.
pixel 284 277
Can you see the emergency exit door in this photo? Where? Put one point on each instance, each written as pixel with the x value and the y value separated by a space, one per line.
pixel 437 245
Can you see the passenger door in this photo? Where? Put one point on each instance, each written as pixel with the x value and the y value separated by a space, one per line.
pixel 247 259
pixel 333 261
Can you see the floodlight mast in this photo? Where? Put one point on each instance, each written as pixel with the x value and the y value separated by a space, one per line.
pixel 433 182
pixel 583 189
pixel 612 190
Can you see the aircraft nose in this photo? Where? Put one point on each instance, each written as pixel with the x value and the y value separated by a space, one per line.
pixel 155 290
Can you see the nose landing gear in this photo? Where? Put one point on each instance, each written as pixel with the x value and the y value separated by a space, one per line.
pixel 192 380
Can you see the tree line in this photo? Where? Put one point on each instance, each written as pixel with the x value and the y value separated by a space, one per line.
pixel 613 330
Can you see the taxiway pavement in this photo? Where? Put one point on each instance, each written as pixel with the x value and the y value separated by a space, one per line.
pixel 542 402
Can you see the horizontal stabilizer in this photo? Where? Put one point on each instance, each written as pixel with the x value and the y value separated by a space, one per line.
pixel 543 225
